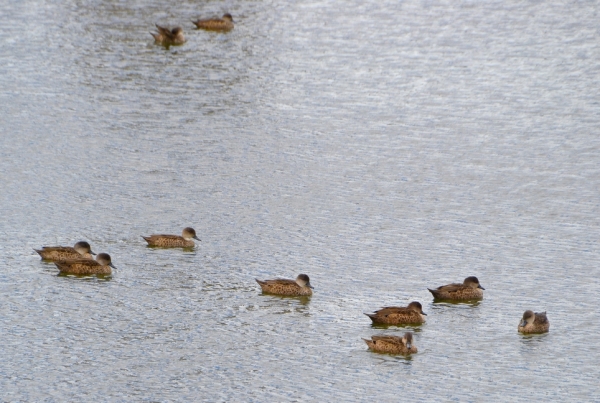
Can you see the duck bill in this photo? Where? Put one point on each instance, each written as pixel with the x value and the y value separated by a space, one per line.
pixel 92 253
pixel 479 286
pixel 523 323
pixel 310 286
pixel 113 266
pixel 197 239
pixel 423 313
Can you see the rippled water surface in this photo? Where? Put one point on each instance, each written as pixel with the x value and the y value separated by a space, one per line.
pixel 380 147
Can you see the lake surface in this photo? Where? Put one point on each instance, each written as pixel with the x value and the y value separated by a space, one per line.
pixel 380 147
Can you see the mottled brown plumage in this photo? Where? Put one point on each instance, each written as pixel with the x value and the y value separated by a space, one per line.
pixel 173 241
pixel 216 24
pixel 393 315
pixel 86 267
pixel 81 250
pixel 392 344
pixel 534 322
pixel 300 286
pixel 468 290
pixel 168 37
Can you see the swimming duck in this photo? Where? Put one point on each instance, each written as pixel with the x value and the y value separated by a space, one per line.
pixel 534 322
pixel 216 24
pixel 394 315
pixel 468 290
pixel 167 38
pixel 173 241
pixel 299 287
pixel 81 250
pixel 392 344
pixel 86 267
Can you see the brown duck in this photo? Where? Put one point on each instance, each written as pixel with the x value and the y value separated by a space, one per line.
pixel 392 344
pixel 470 289
pixel 534 322
pixel 167 38
pixel 86 267
pixel 173 241
pixel 81 250
pixel 299 287
pixel 223 24
pixel 394 315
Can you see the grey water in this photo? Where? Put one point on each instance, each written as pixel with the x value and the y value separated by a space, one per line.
pixel 381 147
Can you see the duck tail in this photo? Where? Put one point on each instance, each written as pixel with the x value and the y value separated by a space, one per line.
pixel 434 292
pixel 59 265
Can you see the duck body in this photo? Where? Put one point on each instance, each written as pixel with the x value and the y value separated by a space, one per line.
pixel 86 267
pixel 393 315
pixel 299 287
pixel 173 241
pixel 470 289
pixel 168 37
pixel 392 344
pixel 223 24
pixel 534 322
pixel 81 250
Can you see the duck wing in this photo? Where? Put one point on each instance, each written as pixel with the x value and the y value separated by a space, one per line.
pixel 161 236
pixel 166 33
pixel 541 318
pixel 58 249
pixel 280 281
pixel 450 287
pixel 387 339
pixel 388 310
pixel 79 262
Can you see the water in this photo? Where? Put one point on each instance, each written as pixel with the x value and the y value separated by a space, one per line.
pixel 381 148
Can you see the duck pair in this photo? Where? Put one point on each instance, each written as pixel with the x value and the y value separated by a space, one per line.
pixel 394 315
pixel 532 322
pixel 175 36
pixel 77 259
pixel 413 314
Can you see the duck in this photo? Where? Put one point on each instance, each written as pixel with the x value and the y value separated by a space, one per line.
pixel 299 287
pixel 412 314
pixel 392 344
pixel 86 267
pixel 470 289
pixel 167 38
pixel 534 322
pixel 173 241
pixel 81 250
pixel 223 24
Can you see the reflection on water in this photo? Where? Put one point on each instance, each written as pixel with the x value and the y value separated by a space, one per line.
pixel 98 277
pixel 375 146
pixel 412 328
pixel 442 302
pixel 286 304
pixel 532 338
